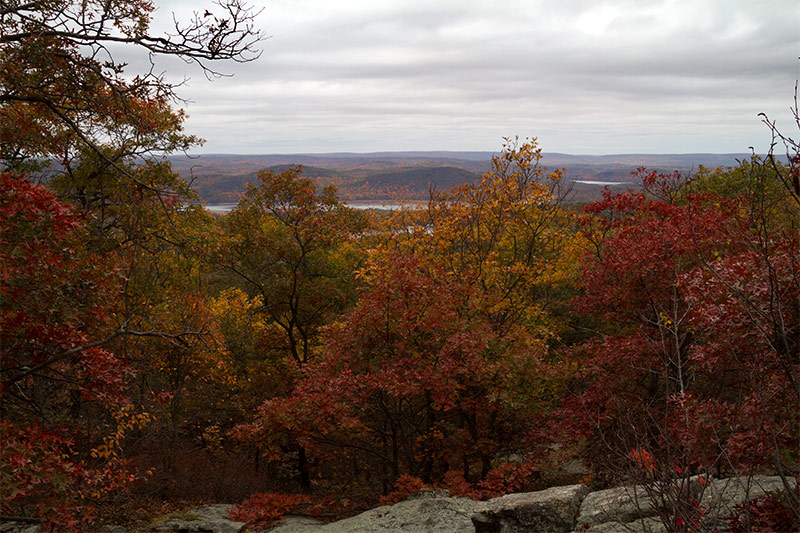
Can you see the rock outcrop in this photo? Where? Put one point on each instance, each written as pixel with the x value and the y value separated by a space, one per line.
pixel 206 519
pixel 635 509
pixel 639 509
pixel 558 509
pixel 634 504
pixel 722 496
pixel 429 511
pixel 297 524
pixel 553 509
pixel 620 504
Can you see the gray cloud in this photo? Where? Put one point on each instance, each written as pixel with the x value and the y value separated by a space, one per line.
pixel 583 76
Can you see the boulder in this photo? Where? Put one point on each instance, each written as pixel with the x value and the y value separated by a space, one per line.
pixel 19 527
pixel 297 524
pixel 206 519
pixel 625 505
pixel 620 504
pixel 431 511
pixel 650 524
pixel 721 496
pixel 550 510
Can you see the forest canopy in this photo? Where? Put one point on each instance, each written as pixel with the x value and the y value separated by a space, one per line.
pixel 300 354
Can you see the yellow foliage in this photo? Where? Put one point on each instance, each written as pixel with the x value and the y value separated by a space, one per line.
pixel 126 419
pixel 507 234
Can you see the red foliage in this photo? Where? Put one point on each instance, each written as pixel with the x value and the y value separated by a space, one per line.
pixel 37 468
pixel 644 245
pixel 409 379
pixel 57 380
pixel 768 514
pixel 263 509
pixel 696 363
pixel 507 478
pixel 643 460
pixel 43 475
pixel 56 296
pixel 404 487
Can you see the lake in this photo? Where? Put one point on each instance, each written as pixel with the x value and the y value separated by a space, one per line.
pixel 385 206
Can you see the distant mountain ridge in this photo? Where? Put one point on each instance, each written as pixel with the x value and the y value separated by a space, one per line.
pixel 706 159
pixel 222 178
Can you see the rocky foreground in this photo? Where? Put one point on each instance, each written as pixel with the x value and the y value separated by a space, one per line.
pixel 558 509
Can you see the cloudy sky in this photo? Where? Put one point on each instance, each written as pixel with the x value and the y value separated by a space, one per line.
pixel 584 76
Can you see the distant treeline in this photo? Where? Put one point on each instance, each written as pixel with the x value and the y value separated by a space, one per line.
pixel 221 178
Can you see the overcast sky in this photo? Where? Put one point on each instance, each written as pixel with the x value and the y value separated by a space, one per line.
pixel 584 76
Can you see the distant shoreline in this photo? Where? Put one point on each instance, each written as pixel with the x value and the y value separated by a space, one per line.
pixel 356 204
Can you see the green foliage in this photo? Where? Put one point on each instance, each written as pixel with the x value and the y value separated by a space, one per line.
pixel 296 251
pixel 760 186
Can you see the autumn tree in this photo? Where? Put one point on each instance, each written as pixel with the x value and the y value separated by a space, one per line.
pixel 752 300
pixel 57 376
pixel 639 247
pixel 295 250
pixel 511 239
pixel 409 382
pixel 508 234
pixel 66 101
pixel 158 239
pixel 695 298
pixel 62 91
pixel 436 370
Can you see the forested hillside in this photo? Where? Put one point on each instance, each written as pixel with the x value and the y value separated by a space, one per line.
pixel 299 355
pixel 397 176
